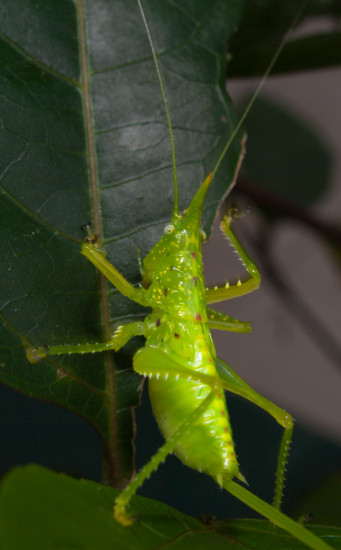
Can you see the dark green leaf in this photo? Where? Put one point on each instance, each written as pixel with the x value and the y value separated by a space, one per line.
pixel 41 510
pixel 84 137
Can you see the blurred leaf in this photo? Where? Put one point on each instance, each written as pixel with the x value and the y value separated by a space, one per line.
pixel 265 23
pixel 60 513
pixel 323 503
pixel 285 157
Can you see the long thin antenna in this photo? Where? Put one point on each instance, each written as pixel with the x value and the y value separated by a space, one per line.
pixel 259 88
pixel 176 204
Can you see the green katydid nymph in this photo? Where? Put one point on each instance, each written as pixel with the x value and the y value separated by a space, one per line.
pixel 186 379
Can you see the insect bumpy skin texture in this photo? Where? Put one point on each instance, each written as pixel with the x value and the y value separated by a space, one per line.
pixel 178 330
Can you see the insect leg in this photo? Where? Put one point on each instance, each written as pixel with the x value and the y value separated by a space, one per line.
pixel 97 258
pixel 221 321
pixel 153 362
pixel 218 294
pixel 124 497
pixel 275 516
pixel 232 382
pixel 120 337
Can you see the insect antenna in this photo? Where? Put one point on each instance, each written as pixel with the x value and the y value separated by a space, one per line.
pixel 243 116
pixel 259 87
pixel 176 202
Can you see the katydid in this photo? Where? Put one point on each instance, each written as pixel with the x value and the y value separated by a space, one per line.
pixel 186 379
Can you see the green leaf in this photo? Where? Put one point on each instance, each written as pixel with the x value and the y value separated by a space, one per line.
pixel 84 137
pixel 41 510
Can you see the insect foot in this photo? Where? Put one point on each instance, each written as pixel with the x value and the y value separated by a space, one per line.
pixel 91 237
pixel 121 515
pixel 233 214
pixel 34 354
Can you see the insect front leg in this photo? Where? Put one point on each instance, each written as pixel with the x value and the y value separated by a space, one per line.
pixel 219 294
pixel 232 382
pixel 96 255
pixel 119 338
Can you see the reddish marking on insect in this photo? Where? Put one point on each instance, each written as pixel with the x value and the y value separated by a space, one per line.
pixel 222 413
pixel 195 280
pixel 219 395
pixel 198 317
pixel 165 291
pixel 194 254
pixel 176 335
pixel 210 360
pixel 158 322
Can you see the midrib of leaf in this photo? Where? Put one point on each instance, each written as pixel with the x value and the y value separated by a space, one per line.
pixel 112 467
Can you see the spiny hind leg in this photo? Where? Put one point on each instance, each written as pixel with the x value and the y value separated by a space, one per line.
pixel 119 338
pixel 155 363
pixel 232 382
pixel 219 294
pixel 122 501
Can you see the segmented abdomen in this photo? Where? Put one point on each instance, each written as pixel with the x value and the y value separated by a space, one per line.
pixel 208 446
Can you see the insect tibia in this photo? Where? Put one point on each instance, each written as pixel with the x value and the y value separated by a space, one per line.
pixel 282 460
pixel 119 338
pixel 98 259
pixel 275 516
pixel 120 513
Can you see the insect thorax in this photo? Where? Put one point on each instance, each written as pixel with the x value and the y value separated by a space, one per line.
pixel 177 285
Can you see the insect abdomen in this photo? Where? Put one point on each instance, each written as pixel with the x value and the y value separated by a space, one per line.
pixel 208 447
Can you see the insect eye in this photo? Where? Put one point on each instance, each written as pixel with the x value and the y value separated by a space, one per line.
pixel 169 229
